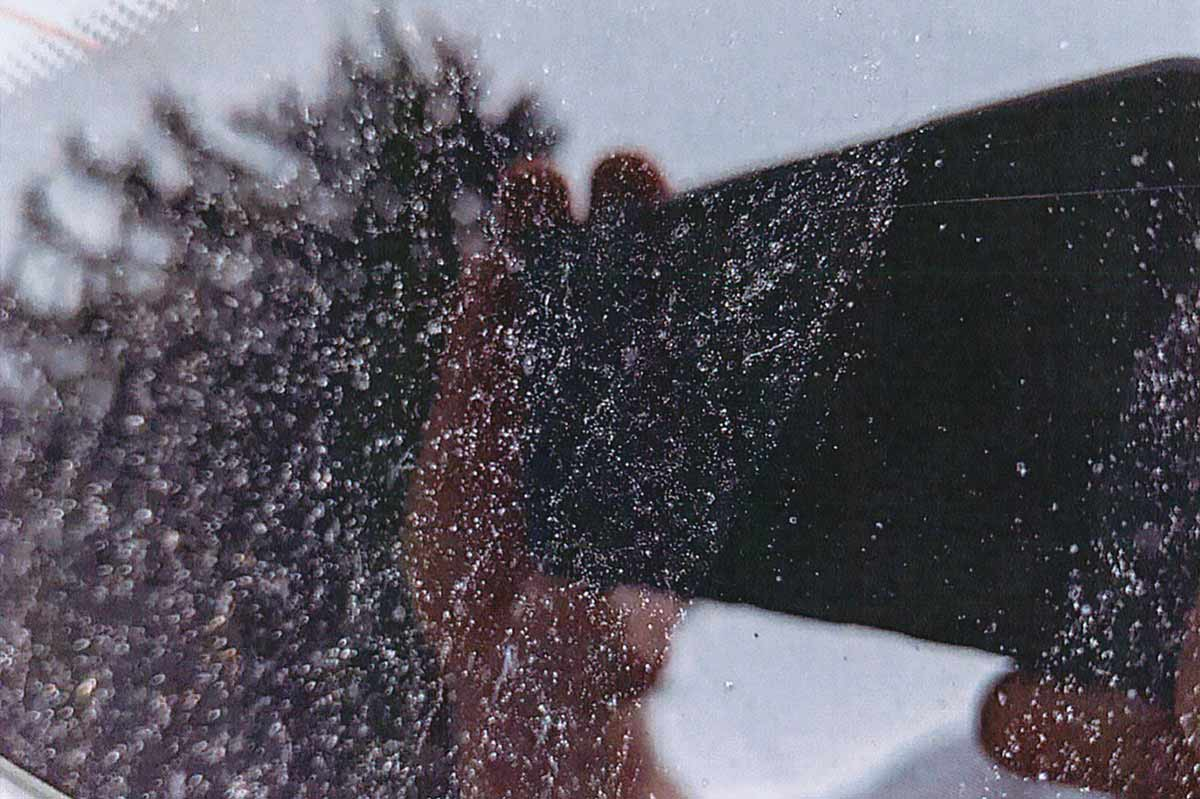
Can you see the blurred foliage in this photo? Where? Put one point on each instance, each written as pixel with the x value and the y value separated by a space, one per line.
pixel 203 465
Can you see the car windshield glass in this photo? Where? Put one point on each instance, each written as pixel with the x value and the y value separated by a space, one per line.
pixel 548 400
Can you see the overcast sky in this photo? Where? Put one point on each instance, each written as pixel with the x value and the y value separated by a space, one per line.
pixel 709 87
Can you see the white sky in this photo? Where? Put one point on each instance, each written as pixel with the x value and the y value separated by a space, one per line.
pixel 709 87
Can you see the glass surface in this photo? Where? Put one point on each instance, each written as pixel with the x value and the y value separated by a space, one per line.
pixel 367 428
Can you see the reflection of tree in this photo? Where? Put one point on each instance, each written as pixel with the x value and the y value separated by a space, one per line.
pixel 202 468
